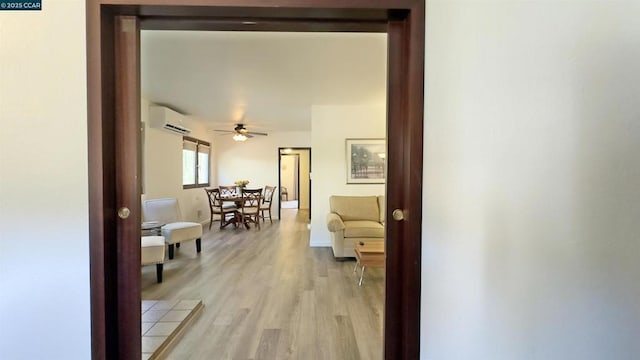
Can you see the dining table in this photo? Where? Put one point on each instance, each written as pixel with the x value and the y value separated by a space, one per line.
pixel 237 200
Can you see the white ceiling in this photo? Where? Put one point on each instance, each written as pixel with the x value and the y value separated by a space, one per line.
pixel 272 79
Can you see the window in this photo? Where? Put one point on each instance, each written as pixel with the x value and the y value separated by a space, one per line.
pixel 195 163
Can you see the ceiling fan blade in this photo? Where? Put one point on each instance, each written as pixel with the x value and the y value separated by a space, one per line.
pixel 240 129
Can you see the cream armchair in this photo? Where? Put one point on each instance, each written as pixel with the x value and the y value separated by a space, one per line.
pixel 166 211
pixel 354 218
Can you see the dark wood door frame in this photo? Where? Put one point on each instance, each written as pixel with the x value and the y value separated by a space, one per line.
pixel 113 131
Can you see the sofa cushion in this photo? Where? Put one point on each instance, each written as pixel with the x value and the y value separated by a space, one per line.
pixel 363 228
pixel 355 207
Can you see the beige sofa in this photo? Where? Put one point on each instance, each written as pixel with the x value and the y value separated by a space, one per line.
pixel 352 219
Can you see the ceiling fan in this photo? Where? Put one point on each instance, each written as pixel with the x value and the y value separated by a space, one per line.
pixel 240 132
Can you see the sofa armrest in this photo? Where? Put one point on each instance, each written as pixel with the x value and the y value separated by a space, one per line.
pixel 334 222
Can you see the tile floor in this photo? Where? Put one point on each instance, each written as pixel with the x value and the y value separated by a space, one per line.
pixel 161 322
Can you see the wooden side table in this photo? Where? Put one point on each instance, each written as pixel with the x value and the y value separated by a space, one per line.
pixel 369 253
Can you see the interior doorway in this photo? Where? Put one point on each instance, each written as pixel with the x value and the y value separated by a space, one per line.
pixel 290 181
pixel 113 126
pixel 294 179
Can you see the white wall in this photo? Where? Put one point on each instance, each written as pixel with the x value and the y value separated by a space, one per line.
pixel 44 242
pixel 330 127
pixel 256 159
pixel 162 166
pixel 531 245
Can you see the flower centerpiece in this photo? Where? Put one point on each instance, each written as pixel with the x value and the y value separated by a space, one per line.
pixel 241 184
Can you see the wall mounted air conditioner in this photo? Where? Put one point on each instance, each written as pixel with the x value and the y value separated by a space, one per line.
pixel 161 117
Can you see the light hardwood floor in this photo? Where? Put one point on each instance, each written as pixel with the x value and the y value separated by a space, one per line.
pixel 268 295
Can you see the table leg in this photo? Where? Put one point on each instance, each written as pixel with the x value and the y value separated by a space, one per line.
pixel 361 276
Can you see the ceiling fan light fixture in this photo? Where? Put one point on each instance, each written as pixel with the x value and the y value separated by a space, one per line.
pixel 239 137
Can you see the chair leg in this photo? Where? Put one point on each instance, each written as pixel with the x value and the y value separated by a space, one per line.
pixel 211 221
pixel 271 221
pixel 237 219
pixel 159 268
pixel 170 251
pixel 198 245
pixel 223 220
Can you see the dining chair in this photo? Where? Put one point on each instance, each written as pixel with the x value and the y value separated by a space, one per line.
pixel 167 211
pixel 284 193
pixel 227 211
pixel 267 200
pixel 250 210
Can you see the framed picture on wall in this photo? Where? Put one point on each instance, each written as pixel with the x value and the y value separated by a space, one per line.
pixel 366 161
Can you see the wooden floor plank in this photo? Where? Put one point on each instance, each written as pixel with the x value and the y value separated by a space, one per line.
pixel 268 347
pixel 268 295
pixel 345 337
